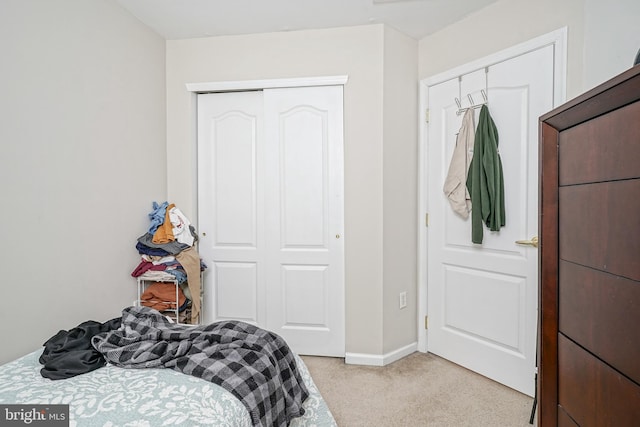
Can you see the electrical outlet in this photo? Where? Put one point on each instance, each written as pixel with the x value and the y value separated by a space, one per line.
pixel 403 299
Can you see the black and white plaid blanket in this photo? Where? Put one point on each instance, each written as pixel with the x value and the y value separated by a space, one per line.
pixel 253 364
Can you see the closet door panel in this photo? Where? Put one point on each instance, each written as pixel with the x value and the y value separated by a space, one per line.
pixel 304 206
pixel 231 204
pixel 303 178
pixel 236 291
pixel 234 145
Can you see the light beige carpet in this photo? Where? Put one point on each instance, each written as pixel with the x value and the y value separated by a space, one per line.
pixel 418 390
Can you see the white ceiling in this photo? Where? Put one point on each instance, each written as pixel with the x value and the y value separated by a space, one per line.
pixel 179 19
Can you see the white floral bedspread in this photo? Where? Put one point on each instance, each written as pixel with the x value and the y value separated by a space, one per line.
pixel 112 396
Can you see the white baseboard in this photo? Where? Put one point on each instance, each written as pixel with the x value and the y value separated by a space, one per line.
pixel 380 359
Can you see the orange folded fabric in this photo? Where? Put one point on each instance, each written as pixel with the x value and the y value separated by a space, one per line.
pixel 162 296
pixel 164 233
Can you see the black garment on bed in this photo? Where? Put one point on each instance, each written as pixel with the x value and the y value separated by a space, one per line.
pixel 70 353
pixel 253 364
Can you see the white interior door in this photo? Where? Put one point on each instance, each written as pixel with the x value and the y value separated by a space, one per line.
pixel 270 188
pixel 482 299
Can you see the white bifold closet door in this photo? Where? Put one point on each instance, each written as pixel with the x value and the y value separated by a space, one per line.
pixel 271 212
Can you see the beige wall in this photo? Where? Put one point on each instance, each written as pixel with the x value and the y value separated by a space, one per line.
pixel 358 52
pixel 83 156
pixel 612 38
pixel 400 171
pixel 501 25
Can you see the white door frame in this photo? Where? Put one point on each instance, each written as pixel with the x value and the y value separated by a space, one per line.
pixel 558 39
pixel 236 85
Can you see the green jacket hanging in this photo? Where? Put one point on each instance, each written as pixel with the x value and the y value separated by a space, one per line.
pixel 485 181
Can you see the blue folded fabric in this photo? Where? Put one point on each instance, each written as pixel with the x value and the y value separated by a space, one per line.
pixel 157 216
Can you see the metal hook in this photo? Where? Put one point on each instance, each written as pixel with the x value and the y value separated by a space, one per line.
pixel 471 103
pixel 486 84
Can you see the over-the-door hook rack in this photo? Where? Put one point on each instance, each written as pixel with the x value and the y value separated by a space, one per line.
pixel 472 104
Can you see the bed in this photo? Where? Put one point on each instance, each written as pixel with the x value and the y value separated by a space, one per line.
pixel 117 396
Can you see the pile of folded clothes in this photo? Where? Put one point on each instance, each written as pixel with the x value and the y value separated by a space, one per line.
pixel 169 256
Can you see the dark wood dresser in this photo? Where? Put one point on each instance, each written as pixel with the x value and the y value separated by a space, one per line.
pixel 589 345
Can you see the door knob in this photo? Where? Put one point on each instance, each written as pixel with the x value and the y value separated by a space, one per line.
pixel 533 242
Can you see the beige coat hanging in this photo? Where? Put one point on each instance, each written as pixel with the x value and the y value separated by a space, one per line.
pixel 455 187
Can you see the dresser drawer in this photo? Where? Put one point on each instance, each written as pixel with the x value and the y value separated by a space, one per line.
pixel 603 149
pixel 600 226
pixel 591 392
pixel 600 312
